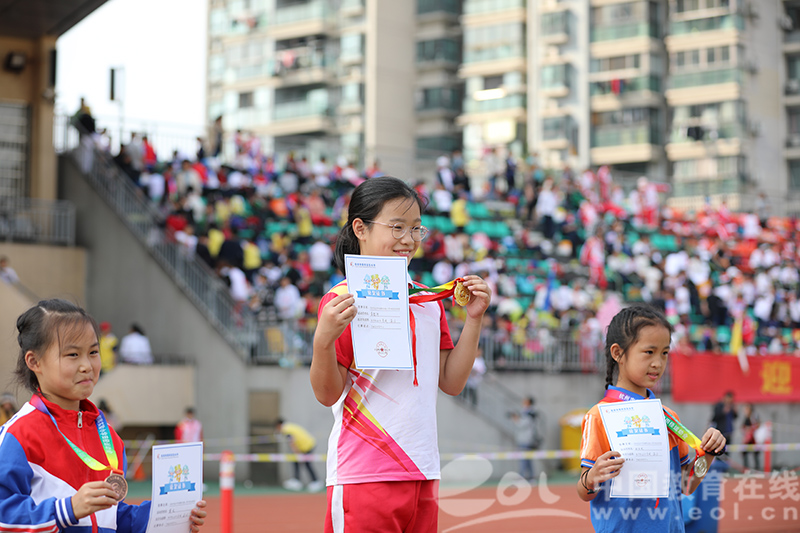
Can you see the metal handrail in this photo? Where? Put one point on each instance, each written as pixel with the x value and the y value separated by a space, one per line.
pixel 203 287
pixel 37 220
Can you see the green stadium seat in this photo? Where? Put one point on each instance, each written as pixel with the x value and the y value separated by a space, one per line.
pixel 723 334
pixel 478 210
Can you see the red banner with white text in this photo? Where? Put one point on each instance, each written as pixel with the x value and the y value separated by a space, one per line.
pixel 705 377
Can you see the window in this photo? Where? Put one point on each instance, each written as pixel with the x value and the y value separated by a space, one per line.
pixel 705 58
pixel 245 100
pixel 554 23
pixel 794 175
pixel 555 128
pixel 708 168
pixel 492 82
pixel 616 63
pixel 555 76
pixel 352 94
pixel 438 50
pixel 352 46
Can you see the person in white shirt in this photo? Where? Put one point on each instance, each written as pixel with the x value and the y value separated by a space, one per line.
pixel 442 272
pixel 7 274
pixel 239 289
pixel 321 173
pixel 134 348
pixel 320 257
pixel 288 300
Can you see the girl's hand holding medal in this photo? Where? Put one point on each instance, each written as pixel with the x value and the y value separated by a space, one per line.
pixel 476 295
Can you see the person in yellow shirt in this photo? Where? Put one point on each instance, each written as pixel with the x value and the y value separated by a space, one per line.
pixel 8 407
pixel 215 239
pixel 108 346
pixel 301 441
pixel 459 215
pixel 252 259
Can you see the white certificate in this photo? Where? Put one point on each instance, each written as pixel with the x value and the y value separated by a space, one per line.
pixel 638 431
pixel 381 329
pixel 177 486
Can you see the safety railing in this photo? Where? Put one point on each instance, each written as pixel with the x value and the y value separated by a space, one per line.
pixel 493 402
pixel 34 220
pixel 203 287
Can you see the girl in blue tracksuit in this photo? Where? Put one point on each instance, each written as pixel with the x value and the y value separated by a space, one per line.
pixel 57 451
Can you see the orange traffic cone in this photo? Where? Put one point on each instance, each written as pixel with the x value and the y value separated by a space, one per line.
pixel 138 474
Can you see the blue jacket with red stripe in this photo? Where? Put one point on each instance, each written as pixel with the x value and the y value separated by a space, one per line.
pixel 39 474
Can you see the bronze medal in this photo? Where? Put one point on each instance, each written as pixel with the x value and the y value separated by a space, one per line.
pixel 119 485
pixel 701 466
pixel 461 294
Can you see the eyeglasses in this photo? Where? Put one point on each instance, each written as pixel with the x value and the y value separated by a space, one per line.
pixel 418 233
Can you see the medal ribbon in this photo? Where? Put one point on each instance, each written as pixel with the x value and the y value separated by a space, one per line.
pixel 102 431
pixel 440 292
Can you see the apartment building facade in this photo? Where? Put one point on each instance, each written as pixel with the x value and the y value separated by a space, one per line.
pixel 704 94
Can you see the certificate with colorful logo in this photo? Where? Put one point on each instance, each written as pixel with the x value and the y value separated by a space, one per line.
pixel 381 329
pixel 638 431
pixel 177 486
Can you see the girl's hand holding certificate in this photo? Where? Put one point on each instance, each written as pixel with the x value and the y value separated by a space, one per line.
pixel 335 317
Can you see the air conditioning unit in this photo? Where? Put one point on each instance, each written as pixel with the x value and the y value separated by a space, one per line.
pixel 794 139
pixel 754 127
pixel 785 22
pixel 793 87
pixel 751 10
pixel 751 66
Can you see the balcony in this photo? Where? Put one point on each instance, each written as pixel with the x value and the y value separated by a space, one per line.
pixel 301 66
pixel 555 27
pixel 624 134
pixel 300 13
pixel 496 104
pixel 478 7
pixel 626 86
pixel 439 101
pixel 624 31
pixel 425 7
pixel 299 117
pixel 731 130
pixel 298 109
pixel 433 53
pixel 711 77
pixel 707 187
pixel 299 20
pixel 725 22
pixel 558 133
pixel 494 53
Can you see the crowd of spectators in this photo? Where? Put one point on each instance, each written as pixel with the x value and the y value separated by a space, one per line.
pixel 556 247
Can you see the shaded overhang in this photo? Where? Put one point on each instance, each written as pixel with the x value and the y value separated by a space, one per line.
pixel 32 19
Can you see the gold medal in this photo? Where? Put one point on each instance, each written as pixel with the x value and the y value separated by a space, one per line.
pixel 119 485
pixel 461 294
pixel 701 466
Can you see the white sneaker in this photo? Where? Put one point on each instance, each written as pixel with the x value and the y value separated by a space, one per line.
pixel 293 484
pixel 315 486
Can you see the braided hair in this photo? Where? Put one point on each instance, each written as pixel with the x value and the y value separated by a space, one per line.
pixel 624 331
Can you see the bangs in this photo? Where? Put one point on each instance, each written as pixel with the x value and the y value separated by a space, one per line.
pixel 71 329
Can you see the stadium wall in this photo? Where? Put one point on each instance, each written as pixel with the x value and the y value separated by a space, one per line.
pixel 15 302
pixel 34 265
pixel 125 285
